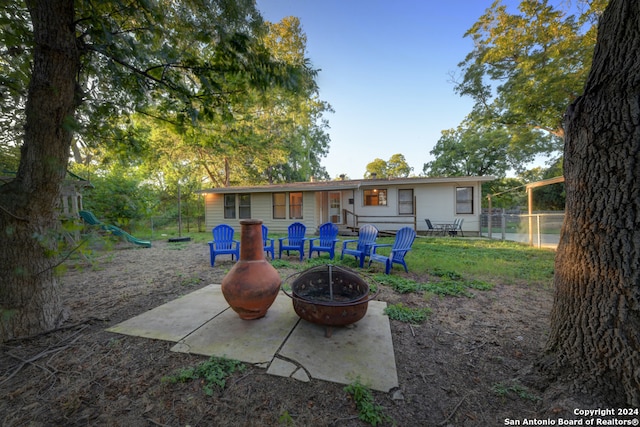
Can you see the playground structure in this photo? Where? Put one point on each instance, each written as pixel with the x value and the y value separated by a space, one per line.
pixel 91 219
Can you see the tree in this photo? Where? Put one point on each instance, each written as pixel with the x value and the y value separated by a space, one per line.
pixel 92 61
pixel 271 135
pixel 595 321
pixel 395 167
pixel 29 295
pixel 506 193
pixel 377 168
pixel 473 150
pixel 527 67
pixel 548 197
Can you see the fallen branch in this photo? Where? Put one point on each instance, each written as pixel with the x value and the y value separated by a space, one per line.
pixel 446 420
pixel 42 354
pixel 31 360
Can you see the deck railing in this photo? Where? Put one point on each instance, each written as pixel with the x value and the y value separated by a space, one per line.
pixel 383 222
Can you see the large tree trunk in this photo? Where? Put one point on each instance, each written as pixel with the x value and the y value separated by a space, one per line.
pixel 29 291
pixel 595 323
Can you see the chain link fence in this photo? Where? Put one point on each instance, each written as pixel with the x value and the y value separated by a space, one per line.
pixel 541 229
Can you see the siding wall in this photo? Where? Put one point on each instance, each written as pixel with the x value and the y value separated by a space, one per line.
pixel 434 201
pixel 261 208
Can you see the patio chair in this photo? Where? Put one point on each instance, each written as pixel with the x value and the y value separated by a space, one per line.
pixel 431 230
pixel 400 247
pixel 267 242
pixel 326 242
pixel 367 236
pixel 294 240
pixel 457 227
pixel 223 243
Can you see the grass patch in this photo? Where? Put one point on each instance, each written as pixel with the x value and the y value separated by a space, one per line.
pixel 505 390
pixel 453 285
pixel 213 373
pixel 484 260
pixel 282 263
pixel 492 261
pixel 398 283
pixel 406 314
pixel 368 411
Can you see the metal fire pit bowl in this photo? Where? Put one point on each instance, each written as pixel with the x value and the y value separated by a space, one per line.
pixel 329 296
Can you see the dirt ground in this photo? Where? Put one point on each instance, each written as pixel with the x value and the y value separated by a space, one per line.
pixel 464 367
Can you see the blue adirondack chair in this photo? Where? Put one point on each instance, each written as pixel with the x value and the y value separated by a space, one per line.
pixel 400 247
pixel 267 242
pixel 367 236
pixel 294 240
pixel 327 240
pixel 223 243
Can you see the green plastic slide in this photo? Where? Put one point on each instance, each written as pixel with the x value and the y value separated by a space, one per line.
pixel 91 219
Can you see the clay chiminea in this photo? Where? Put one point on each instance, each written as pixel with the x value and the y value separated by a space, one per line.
pixel 252 284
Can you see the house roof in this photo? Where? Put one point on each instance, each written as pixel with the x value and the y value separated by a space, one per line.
pixel 351 184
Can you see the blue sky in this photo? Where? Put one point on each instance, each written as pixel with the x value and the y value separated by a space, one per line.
pixel 386 70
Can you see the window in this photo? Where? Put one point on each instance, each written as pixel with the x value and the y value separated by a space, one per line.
pixel 405 202
pixel 229 206
pixel 375 197
pixel 464 200
pixel 295 205
pixel 244 206
pixel 279 205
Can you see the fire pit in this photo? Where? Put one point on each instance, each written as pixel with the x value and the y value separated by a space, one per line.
pixel 329 296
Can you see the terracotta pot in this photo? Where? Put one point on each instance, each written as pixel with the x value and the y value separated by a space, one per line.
pixel 252 284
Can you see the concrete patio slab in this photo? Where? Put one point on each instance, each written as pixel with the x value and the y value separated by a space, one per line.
pixel 178 318
pixel 361 351
pixel 203 323
pixel 251 341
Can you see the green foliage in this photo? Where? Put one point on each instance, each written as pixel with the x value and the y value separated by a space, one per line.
pixel 491 261
pixel 452 285
pixel 119 198
pixel 398 283
pixel 505 193
pixel 368 411
pixel 213 372
pixel 549 197
pixel 474 150
pixel 216 92
pixel 527 67
pixel 520 391
pixel 395 167
pixel 281 263
pixel 414 315
pixel 286 419
pixel 452 275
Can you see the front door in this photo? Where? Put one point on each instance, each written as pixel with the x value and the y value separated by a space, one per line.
pixel 335 207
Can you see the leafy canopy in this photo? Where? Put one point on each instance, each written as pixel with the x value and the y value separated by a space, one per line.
pixel 395 167
pixel 526 67
pixel 186 62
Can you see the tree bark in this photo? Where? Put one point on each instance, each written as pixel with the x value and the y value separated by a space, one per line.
pixel 29 293
pixel 594 342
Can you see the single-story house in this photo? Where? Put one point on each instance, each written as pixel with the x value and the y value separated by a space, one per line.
pixel 389 204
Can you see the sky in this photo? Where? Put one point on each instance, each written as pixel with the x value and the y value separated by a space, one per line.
pixel 386 68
